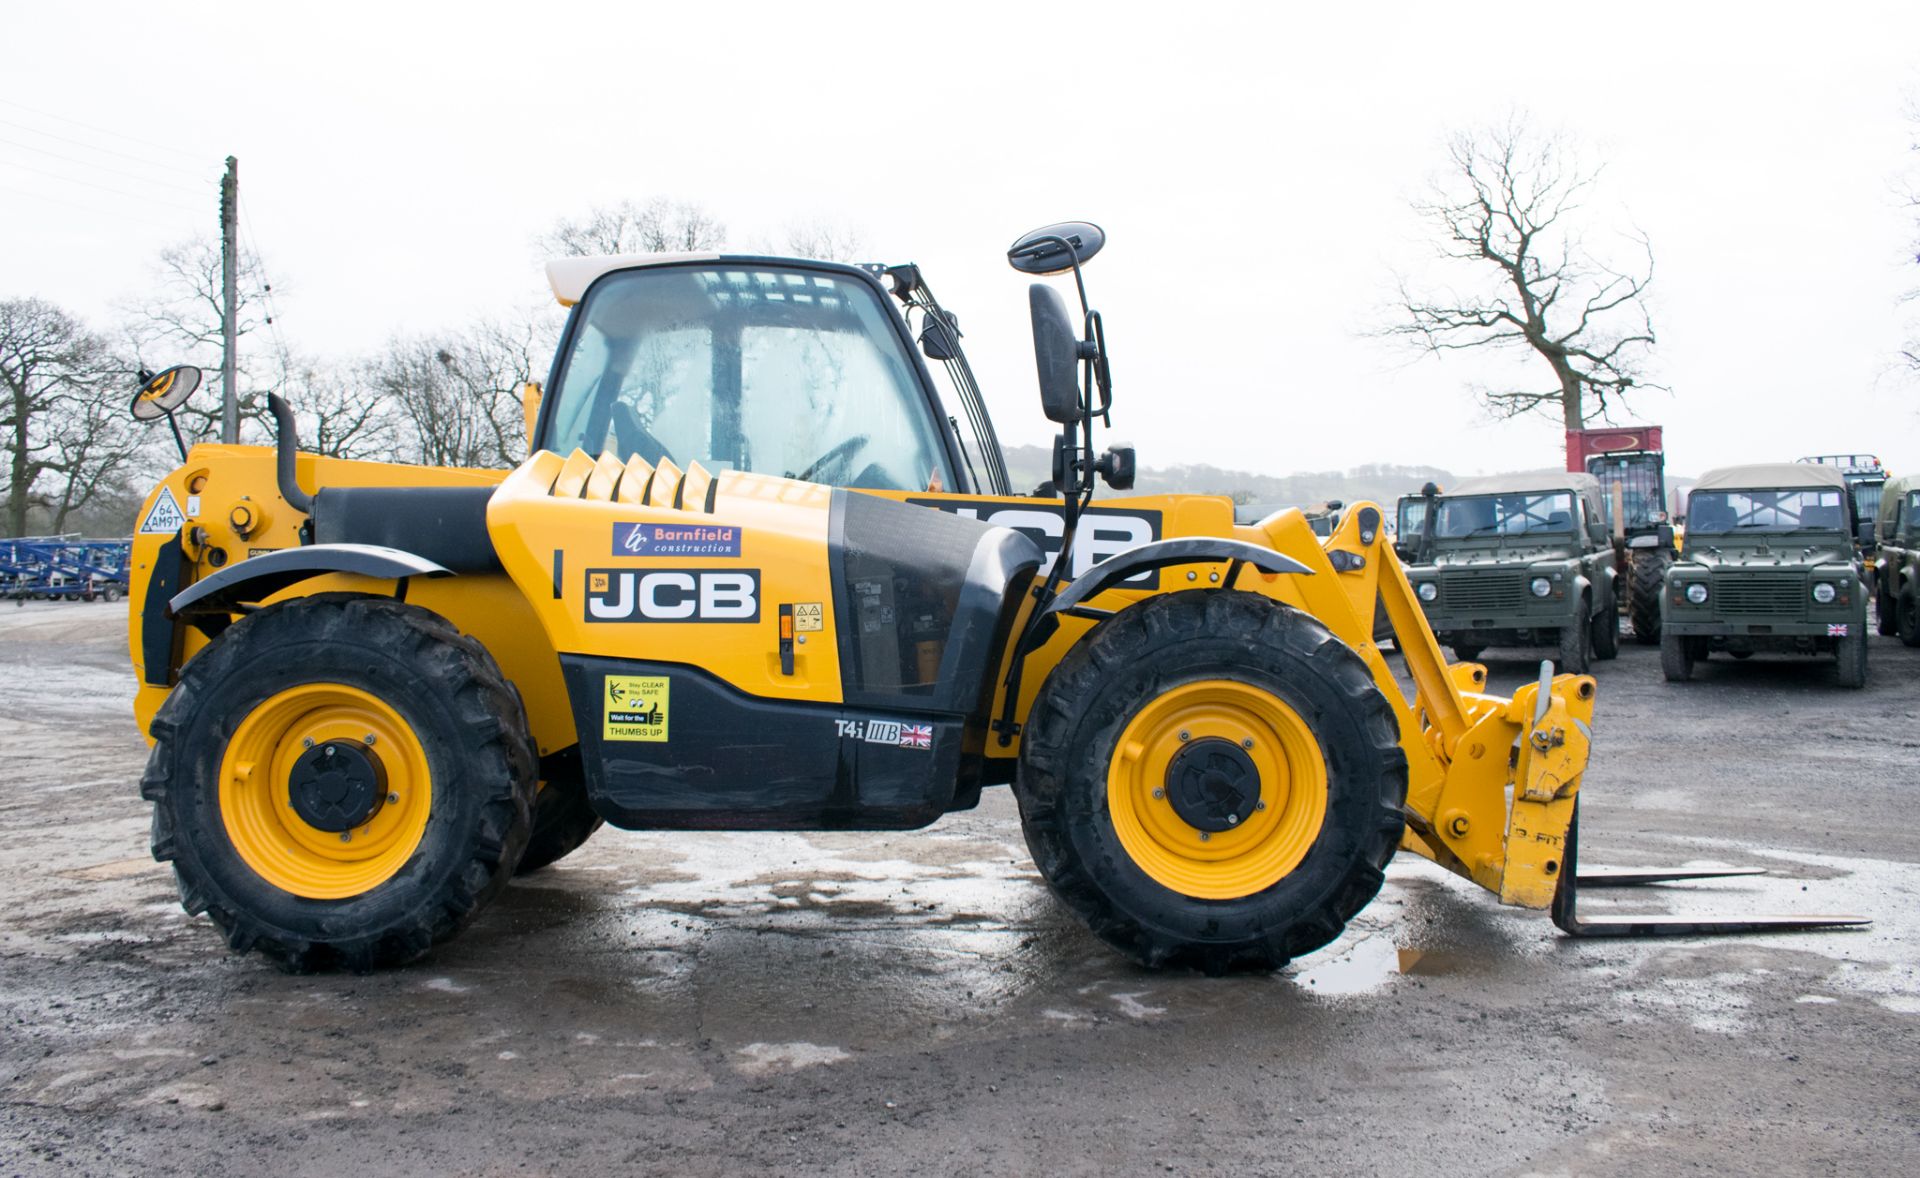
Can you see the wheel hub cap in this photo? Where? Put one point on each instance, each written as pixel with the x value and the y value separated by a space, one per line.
pixel 1213 785
pixel 337 785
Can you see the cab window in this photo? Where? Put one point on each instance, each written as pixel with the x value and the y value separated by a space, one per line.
pixel 782 371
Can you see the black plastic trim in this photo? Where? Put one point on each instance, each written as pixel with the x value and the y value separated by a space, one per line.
pixel 159 635
pixel 1157 555
pixel 267 574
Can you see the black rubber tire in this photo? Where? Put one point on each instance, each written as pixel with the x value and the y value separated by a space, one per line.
pixel 1906 613
pixel 1676 658
pixel 1465 653
pixel 1576 648
pixel 563 820
pixel 1886 617
pixel 1606 632
pixel 1646 582
pixel 1127 660
pixel 1850 658
pixel 470 726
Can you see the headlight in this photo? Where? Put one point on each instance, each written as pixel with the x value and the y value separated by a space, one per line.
pixel 1697 593
pixel 1428 591
pixel 1541 586
pixel 1823 592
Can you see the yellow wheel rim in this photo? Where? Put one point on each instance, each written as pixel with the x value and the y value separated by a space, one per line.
pixel 1263 848
pixel 256 804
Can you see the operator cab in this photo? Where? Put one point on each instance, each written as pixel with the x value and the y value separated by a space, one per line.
pixel 796 369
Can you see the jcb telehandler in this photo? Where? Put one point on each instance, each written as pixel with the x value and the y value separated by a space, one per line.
pixel 751 578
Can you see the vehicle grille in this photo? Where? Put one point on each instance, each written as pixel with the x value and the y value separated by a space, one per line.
pixel 1483 592
pixel 1760 593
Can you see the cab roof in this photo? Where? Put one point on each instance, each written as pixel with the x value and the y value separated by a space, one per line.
pixel 570 277
pixel 1772 476
pixel 1524 481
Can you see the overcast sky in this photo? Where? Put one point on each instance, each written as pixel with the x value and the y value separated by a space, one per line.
pixel 1252 166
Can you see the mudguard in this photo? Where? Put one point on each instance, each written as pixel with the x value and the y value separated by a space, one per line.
pixel 267 574
pixel 1157 555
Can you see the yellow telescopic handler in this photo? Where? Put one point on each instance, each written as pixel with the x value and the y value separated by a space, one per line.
pixel 754 577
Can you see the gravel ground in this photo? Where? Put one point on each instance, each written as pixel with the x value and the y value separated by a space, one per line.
pixel 879 1003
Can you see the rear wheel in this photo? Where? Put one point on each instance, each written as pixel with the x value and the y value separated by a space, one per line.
pixel 1647 577
pixel 1850 657
pixel 563 820
pixel 1906 611
pixel 1676 658
pixel 1466 652
pixel 340 780
pixel 1211 779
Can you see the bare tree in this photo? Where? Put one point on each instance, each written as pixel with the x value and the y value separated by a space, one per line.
pixel 832 241
pixel 633 227
pixel 1911 352
pixel 59 419
pixel 337 412
pixel 180 322
pixel 457 394
pixel 1505 211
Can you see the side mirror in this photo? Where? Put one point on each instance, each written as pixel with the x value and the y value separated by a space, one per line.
pixel 530 394
pixel 161 395
pixel 1056 353
pixel 1117 467
pixel 939 340
pixel 1041 251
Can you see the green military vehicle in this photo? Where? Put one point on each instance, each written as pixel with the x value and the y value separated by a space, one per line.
pixel 1896 573
pixel 1517 560
pixel 1770 566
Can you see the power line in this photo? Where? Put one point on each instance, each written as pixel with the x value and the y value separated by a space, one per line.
pixel 68 202
pixel 102 130
pixel 105 168
pixel 96 147
pixel 266 289
pixel 144 199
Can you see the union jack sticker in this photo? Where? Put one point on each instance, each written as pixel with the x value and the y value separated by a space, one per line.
pixel 1836 629
pixel 916 736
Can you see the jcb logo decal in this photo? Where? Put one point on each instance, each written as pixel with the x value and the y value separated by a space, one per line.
pixel 673 595
pixel 1103 532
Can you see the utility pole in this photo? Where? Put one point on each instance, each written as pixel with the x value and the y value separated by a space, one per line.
pixel 230 302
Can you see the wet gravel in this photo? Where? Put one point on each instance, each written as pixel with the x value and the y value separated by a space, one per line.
pixel 880 1003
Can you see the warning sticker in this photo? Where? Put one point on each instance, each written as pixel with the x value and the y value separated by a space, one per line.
pixel 808 616
pixel 165 518
pixel 634 707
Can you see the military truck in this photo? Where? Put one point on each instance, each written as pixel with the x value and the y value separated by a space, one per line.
pixel 1518 560
pixel 1896 574
pixel 1770 566
pixel 1631 464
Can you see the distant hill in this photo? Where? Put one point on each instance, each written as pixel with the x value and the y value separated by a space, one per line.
pixel 1029 466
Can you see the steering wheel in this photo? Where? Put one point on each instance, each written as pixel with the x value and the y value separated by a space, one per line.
pixel 635 438
pixel 839 453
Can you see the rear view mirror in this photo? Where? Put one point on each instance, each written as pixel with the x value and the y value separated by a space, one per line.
pixel 162 394
pixel 1056 353
pixel 1042 251
pixel 937 339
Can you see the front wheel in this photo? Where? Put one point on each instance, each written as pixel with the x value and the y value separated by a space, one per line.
pixel 1576 647
pixel 1850 657
pixel 1886 617
pixel 1211 779
pixel 1676 658
pixel 1646 581
pixel 340 780
pixel 1606 632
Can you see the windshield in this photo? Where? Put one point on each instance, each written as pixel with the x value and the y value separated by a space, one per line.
pixel 778 370
pixel 1517 514
pixel 1719 513
pixel 1866 497
pixel 1635 478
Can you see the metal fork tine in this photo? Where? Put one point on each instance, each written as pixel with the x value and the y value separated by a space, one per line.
pixel 1630 877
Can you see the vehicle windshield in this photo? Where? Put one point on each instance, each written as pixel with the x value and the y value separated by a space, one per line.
pixel 779 370
pixel 1516 514
pixel 1413 514
pixel 1866 497
pixel 1728 513
pixel 1636 480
